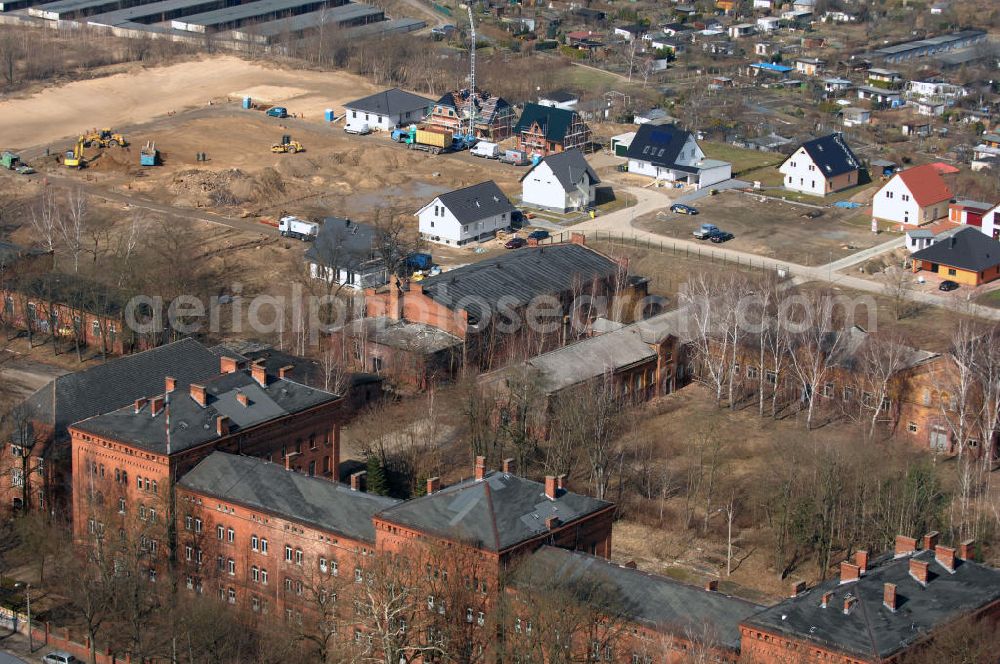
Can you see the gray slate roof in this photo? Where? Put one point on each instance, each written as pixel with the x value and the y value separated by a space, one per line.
pixel 517 277
pixel 259 484
pixel 192 424
pixel 657 144
pixel 568 167
pixel 403 335
pixel 348 245
pixel 968 249
pixel 652 600
pixel 479 201
pixel 106 387
pixel 495 513
pixel 832 155
pixel 870 629
pixel 390 102
pixel 590 358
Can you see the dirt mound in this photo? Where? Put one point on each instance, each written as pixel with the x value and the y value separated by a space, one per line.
pixel 205 188
pixel 112 160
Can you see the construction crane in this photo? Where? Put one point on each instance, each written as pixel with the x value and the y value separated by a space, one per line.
pixel 471 136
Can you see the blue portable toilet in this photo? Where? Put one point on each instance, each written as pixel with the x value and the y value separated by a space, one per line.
pixel 330 116
pixel 535 159
pixel 247 104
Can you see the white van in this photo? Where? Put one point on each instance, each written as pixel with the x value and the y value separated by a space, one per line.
pixel 486 150
pixel 355 126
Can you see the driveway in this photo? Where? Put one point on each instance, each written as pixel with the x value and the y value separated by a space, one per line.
pixel 705 191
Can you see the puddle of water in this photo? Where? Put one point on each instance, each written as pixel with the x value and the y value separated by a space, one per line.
pixel 415 194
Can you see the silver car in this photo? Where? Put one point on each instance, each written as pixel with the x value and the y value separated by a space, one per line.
pixel 60 657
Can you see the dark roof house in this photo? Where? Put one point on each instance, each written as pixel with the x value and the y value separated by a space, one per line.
pixel 392 102
pixel 831 155
pixel 658 144
pixel 656 602
pixel 262 485
pixel 476 202
pixel 968 249
pixel 350 247
pixel 496 513
pixel 568 167
pixel 554 122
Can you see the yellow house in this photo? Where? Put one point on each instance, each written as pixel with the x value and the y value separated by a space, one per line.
pixel 968 257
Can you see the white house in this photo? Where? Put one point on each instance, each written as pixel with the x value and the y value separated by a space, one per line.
pixel 990 224
pixel 465 215
pixel 741 30
pixel 762 4
pixel 768 23
pixel 921 238
pixel 563 99
pixel 666 152
pixel 630 32
pixel 821 166
pixel 563 181
pixel 916 196
pixel 388 109
pixel 809 66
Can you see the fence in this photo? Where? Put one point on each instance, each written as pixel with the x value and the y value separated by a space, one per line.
pixel 44 634
pixel 667 246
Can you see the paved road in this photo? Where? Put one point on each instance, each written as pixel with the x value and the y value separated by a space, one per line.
pixel 10 659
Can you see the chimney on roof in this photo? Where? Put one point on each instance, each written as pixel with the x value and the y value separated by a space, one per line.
pixel 919 570
pixel 712 585
pixel 561 482
pixel 825 600
pixel 222 425
pixel 849 603
pixel 228 365
pixel 905 545
pixel 198 394
pixel 552 522
pixel 259 373
pixel 945 555
pixel 849 572
pixel 798 588
pixel 170 384
pixel 861 560
pixel 140 403
pixel 889 596
pixel 931 540
pixel 243 399
pixel 480 467
pixel 433 485
pixel 156 405
pixel 358 480
pixel 286 371
pixel 967 550
pixel 578 238
pixel 508 466
pixel 550 487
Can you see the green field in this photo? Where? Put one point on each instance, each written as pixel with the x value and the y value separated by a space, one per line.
pixel 742 160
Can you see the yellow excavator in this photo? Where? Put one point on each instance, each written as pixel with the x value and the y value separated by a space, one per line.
pixel 104 138
pixel 287 145
pixel 74 158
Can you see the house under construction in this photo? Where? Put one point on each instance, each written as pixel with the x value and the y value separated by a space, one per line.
pixel 544 130
pixel 494 117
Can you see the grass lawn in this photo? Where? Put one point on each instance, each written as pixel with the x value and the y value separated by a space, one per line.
pixel 990 299
pixel 587 78
pixel 743 161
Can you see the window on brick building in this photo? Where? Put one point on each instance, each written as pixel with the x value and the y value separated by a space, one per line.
pixel 255 603
pixel 430 602
pixel 232 596
pixel 189 583
pixel 255 574
pixel 152 575
pixel 220 532
pixel 468 615
pixel 154 487
pixel 142 512
pixel 298 587
pixel 199 556
pixel 231 564
pixel 298 556
pixel 312 441
pixel 188 552
pixel 152 515
pixel 334 568
pixel 254 543
pixel 288 585
pixel 322 565
pixel 517 625
pixel 188 523
pixel 220 562
pixel 288 553
pixel 231 535
pixel 312 468
pixel 263 546
pixel 197 525
pixel 263 576
pixel 121 506
pixel 357 575
pixel 912 427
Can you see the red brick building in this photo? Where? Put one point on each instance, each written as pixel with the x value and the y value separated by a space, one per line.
pixel 877 610
pixel 494 116
pixel 545 130
pixel 135 454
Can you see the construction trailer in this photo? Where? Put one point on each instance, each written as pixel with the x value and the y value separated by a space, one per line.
pixel 149 155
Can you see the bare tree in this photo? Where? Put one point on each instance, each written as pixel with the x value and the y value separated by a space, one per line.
pixel 814 348
pixel 882 358
pixel 73 225
pixel 46 217
pixel 896 285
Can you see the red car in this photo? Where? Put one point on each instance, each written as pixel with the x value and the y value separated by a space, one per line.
pixel 516 243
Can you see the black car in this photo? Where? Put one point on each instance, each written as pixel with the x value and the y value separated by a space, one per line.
pixel 538 235
pixel 721 236
pixel 680 208
pixel 948 285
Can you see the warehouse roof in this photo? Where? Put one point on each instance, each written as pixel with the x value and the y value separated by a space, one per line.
pixel 655 601
pixel 238 14
pixel 348 14
pixel 390 102
pixel 968 249
pixel 262 485
pixel 869 628
pixel 496 513
pixel 591 358
pixel 517 277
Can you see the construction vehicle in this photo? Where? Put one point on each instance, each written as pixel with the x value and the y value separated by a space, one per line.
pixel 415 138
pixel 74 158
pixel 12 162
pixel 297 228
pixel 287 145
pixel 104 138
pixel 149 155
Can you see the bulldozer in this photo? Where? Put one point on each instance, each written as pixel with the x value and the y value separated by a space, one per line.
pixel 104 138
pixel 74 158
pixel 287 145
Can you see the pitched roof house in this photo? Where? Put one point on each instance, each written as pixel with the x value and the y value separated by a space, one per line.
pixel 348 253
pixel 543 130
pixel 388 109
pixel 968 257
pixel 563 181
pixel 494 116
pixel 666 152
pixel 916 196
pixel 465 215
pixel 821 166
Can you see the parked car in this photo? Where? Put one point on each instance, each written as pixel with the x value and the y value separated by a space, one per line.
pixel 680 208
pixel 538 235
pixel 948 285
pixel 277 112
pixel 60 657
pixel 721 236
pixel 516 243
pixel 705 231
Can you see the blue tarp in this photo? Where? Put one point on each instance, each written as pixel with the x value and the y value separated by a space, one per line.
pixel 770 66
pixel 849 205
